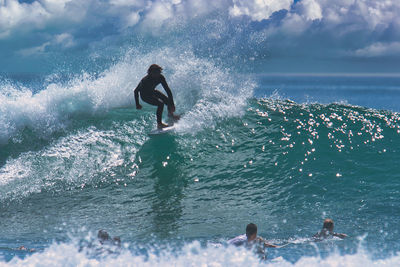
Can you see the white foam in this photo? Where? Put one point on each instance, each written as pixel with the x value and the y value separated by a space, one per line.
pixel 204 92
pixel 220 95
pixel 201 89
pixel 193 254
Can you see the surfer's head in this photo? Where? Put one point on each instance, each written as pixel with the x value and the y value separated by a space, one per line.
pixel 251 231
pixel 103 236
pixel 154 69
pixel 328 225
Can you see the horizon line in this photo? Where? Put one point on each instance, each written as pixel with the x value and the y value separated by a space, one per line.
pixel 332 74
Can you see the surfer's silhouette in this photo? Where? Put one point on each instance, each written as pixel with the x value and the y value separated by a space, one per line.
pixel 150 95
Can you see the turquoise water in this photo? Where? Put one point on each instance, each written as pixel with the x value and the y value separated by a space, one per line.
pixel 76 159
pixel 259 141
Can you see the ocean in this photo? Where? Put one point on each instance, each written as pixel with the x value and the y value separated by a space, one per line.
pixel 282 150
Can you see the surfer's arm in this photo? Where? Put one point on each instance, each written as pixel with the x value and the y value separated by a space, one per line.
pixel 268 245
pixel 137 89
pixel 265 243
pixel 168 90
pixel 317 235
pixel 340 235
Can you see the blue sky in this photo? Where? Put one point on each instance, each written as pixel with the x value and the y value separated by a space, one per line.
pixel 274 35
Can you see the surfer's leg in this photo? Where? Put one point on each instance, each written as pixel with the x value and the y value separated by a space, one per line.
pixel 159 112
pixel 167 102
pixel 155 101
pixel 162 97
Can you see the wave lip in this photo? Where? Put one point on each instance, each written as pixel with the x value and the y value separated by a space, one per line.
pixel 50 109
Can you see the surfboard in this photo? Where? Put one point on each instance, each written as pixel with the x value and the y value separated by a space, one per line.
pixel 162 130
pixel 170 128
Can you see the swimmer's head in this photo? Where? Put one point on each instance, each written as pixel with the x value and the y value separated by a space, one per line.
pixel 251 231
pixel 103 236
pixel 328 225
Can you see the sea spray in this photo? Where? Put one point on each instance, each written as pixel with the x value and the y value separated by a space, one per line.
pixel 199 86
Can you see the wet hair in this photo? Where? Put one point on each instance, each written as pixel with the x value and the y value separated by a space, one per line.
pixel 154 67
pixel 251 229
pixel 102 235
pixel 328 224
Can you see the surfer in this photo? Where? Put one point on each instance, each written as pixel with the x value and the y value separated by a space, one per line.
pixel 104 245
pixel 150 95
pixel 250 238
pixel 327 231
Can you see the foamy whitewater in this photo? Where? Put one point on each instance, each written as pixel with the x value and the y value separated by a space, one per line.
pixel 289 115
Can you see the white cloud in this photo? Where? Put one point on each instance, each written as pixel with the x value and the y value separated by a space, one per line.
pixel 16 16
pixel 368 14
pixel 365 27
pixel 131 20
pixel 379 49
pixel 158 13
pixel 128 3
pixel 258 9
pixel 65 40
pixel 368 28
pixel 293 25
pixel 310 9
pixel 13 14
pixel 55 6
pixel 34 50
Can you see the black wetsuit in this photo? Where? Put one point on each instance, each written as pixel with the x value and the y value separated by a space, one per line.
pixel 149 94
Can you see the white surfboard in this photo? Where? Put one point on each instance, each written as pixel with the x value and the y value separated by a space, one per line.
pixel 170 128
pixel 162 130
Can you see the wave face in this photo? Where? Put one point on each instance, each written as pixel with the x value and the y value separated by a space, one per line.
pixel 281 151
pixel 280 164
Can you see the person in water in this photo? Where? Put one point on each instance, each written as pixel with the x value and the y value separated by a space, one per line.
pixel 250 238
pixel 327 231
pixel 23 248
pixel 150 95
pixel 105 239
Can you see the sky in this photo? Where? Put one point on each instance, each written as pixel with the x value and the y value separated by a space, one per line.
pixel 358 36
